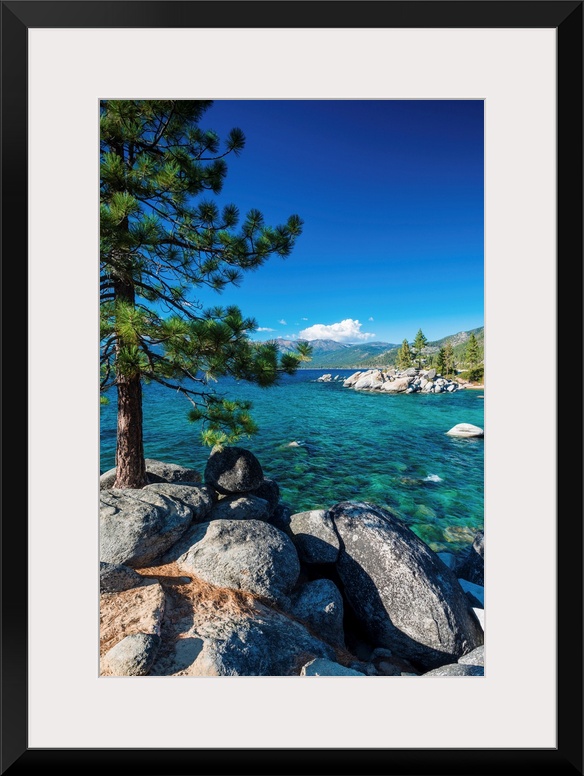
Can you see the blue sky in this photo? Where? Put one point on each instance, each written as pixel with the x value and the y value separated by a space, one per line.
pixel 391 195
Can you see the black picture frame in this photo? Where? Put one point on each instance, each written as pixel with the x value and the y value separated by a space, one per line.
pixel 566 17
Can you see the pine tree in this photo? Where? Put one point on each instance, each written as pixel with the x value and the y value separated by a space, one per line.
pixel 472 351
pixel 404 356
pixel 441 362
pixel 419 345
pixel 162 238
pixel 449 363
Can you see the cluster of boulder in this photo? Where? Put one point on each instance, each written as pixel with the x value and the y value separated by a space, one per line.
pixel 410 380
pixel 215 576
pixel 328 378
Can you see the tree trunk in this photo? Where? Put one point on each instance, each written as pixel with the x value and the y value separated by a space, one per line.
pixel 130 466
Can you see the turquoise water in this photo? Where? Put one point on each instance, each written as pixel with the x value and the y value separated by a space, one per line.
pixel 391 450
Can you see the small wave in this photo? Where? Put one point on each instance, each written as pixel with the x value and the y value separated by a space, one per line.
pixel 433 478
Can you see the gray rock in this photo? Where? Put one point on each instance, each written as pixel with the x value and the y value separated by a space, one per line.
pixel 430 374
pixel 456 669
pixel 269 490
pixel 132 656
pixel 157 471
pixel 380 652
pixel 232 470
pixel 350 381
pixel 369 381
pixel 411 372
pixel 465 430
pixel 399 385
pixel 199 499
pixel 115 578
pixel 172 472
pixel 243 554
pixel 323 667
pixel 240 508
pixel 137 526
pixel 472 565
pixel 474 658
pixel 405 597
pixel 280 519
pixel 386 668
pixel 319 604
pixel 314 535
pixel 231 643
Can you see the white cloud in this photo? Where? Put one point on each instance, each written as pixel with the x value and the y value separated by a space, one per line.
pixel 304 319
pixel 283 322
pixel 370 318
pixel 348 330
pixel 264 328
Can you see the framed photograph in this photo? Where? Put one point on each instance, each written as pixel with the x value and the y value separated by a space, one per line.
pixel 508 76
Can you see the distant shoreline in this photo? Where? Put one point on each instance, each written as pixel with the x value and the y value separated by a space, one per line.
pixel 332 370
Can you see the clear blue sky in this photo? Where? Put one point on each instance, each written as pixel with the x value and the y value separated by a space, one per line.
pixel 391 195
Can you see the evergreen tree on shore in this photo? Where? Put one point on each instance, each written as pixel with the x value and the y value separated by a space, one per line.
pixel 419 344
pixel 449 362
pixel 404 356
pixel 472 351
pixel 161 238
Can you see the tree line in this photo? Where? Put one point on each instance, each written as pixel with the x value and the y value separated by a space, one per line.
pixel 444 361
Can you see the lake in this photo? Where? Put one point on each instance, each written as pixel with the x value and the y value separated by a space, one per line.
pixel 391 450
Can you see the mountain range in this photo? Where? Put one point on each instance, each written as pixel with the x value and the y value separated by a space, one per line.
pixel 331 354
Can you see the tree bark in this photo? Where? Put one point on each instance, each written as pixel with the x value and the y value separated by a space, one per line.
pixel 130 466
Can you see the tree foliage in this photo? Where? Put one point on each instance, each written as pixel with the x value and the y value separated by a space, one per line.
pixel 472 351
pixel 449 362
pixel 404 356
pixel 419 344
pixel 163 237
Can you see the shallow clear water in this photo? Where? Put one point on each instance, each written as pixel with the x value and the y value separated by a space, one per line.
pixel 391 450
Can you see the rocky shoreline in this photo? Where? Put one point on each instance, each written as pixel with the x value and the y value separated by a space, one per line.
pixel 391 380
pixel 214 575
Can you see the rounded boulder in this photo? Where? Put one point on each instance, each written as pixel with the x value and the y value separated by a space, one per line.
pixel 233 470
